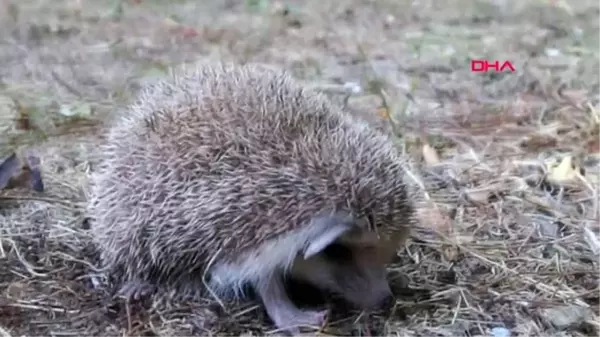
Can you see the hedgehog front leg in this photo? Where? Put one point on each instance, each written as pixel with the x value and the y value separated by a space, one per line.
pixel 282 310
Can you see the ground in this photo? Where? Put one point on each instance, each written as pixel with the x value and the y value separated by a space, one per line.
pixel 507 161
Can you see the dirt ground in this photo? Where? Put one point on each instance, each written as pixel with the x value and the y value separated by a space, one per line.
pixel 508 161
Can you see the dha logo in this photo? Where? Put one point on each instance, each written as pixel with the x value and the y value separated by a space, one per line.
pixel 483 66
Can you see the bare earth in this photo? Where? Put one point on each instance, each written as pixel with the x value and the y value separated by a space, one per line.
pixel 518 246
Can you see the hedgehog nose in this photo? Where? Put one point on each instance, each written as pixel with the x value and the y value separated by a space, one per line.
pixel 382 300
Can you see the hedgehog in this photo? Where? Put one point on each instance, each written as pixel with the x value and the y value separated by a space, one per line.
pixel 224 176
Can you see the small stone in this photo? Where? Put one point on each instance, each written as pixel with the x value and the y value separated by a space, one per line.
pixel 566 317
pixel 500 332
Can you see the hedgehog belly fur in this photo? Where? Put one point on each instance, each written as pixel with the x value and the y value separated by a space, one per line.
pixel 272 257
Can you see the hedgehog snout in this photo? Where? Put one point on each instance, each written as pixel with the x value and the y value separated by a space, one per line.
pixel 366 288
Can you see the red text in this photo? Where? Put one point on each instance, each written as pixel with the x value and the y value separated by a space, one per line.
pixel 484 66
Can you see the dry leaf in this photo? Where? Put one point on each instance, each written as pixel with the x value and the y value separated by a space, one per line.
pixel 564 172
pixel 212 34
pixel 21 172
pixel 431 216
pixel 82 110
pixel 478 196
pixel 592 240
pixel 384 113
pixel 178 28
pixel 537 142
pixel 16 290
pixel 463 239
pixel 188 31
pixel 575 97
pixel 564 6
pixel 23 121
pixel 567 316
pixel 593 179
pixel 9 168
pixel 450 252
pixel 539 202
pixel 170 23
pixel 430 155
pixel 26 116
pixel 593 146
pixel 595 112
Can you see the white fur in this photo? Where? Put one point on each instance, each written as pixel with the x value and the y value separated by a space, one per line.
pixel 229 278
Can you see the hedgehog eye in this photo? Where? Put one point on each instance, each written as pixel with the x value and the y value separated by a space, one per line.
pixel 338 252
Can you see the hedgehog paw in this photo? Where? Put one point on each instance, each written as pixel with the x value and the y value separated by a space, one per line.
pixel 282 311
pixel 291 319
pixel 135 290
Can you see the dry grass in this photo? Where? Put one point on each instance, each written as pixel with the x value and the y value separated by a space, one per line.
pixel 519 251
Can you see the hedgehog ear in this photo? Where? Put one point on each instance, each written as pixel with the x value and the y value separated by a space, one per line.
pixel 328 229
